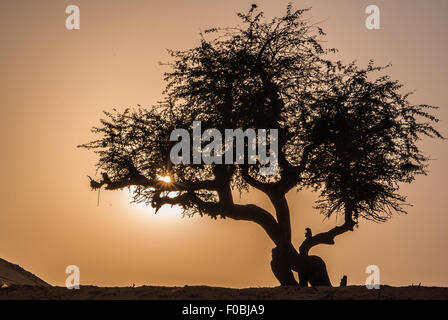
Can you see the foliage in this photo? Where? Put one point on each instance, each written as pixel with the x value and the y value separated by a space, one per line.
pixel 346 131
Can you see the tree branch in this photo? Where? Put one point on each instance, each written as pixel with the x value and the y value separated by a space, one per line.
pixel 262 186
pixel 225 207
pixel 326 237
pixel 250 212
pixel 137 179
pixel 291 174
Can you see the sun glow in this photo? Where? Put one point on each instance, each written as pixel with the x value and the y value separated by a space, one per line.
pixel 166 179
pixel 166 213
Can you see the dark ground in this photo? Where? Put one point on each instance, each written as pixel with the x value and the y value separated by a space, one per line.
pixel 216 293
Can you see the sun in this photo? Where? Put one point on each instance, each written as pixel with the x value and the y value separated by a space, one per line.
pixel 166 179
pixel 166 214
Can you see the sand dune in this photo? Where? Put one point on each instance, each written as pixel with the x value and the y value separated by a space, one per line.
pixel 13 274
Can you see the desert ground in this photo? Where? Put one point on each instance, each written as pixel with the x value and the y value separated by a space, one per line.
pixel 215 293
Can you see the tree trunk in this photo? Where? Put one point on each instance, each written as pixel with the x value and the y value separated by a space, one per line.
pixel 281 267
pixel 311 269
pixel 285 258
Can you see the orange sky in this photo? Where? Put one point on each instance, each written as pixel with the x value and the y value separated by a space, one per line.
pixel 54 84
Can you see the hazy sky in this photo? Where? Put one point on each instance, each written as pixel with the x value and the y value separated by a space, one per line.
pixel 55 83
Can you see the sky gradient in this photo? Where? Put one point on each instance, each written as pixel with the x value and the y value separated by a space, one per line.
pixel 55 83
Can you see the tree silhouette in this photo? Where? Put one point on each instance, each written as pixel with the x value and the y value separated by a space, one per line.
pixel 344 131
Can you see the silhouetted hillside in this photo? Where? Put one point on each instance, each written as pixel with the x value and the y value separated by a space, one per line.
pixel 13 274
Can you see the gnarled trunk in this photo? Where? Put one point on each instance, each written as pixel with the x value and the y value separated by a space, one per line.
pixel 285 258
pixel 281 267
pixel 311 269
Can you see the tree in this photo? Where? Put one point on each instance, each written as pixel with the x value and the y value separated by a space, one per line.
pixel 343 131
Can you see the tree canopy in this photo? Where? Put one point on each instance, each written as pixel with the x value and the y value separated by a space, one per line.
pixel 348 132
